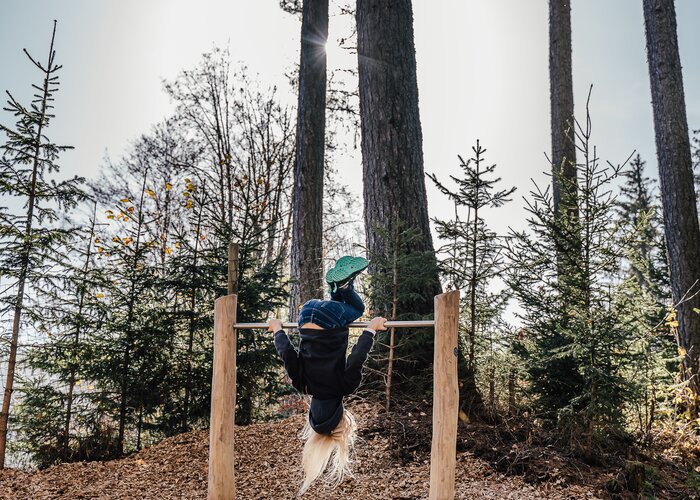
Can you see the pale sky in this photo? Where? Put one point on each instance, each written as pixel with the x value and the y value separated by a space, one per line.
pixel 482 73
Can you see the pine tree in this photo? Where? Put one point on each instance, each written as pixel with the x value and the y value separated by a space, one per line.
pixel 401 283
pixel 29 242
pixel 473 257
pixel 56 388
pixel 681 226
pixel 307 227
pixel 392 153
pixel 578 343
pixel 647 257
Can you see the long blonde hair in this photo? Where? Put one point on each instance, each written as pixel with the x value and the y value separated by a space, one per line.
pixel 320 449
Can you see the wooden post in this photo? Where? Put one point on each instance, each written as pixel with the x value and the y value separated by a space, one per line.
pixel 232 268
pixel 443 453
pixel 222 484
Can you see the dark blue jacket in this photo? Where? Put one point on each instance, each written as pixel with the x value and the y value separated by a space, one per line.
pixel 319 367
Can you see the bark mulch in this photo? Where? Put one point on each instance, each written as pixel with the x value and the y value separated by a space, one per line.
pixel 267 467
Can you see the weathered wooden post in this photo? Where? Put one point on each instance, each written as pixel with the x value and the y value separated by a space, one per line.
pixel 443 453
pixel 222 481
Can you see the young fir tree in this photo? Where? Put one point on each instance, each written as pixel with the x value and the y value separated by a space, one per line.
pixel 647 258
pixel 59 410
pixel 132 350
pixel 405 272
pixel 645 275
pixel 30 236
pixel 578 340
pixel 473 257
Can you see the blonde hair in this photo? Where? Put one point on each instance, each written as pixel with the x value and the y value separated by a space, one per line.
pixel 320 449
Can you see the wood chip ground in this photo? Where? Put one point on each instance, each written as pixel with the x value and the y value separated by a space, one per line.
pixel 267 467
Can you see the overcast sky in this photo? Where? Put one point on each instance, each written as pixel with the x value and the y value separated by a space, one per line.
pixel 482 73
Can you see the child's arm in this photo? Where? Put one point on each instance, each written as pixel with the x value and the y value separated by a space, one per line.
pixel 286 351
pixel 358 355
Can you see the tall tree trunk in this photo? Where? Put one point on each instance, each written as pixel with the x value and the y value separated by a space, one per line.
pixel 392 151
pixel 392 165
pixel 561 97
pixel 25 260
pixel 676 175
pixel 307 231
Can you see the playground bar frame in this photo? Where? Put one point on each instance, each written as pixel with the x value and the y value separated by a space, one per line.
pixel 359 324
pixel 443 453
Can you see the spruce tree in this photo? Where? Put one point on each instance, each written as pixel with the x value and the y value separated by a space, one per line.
pixel 403 281
pixel 72 312
pixel 473 257
pixel 30 237
pixel 577 342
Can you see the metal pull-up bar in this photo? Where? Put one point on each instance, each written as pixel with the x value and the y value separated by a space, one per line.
pixel 443 452
pixel 359 324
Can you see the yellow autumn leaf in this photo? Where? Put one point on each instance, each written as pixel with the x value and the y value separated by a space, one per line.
pixel 130 209
pixel 186 194
pixel 116 240
pixel 100 250
pixel 108 212
pixel 168 250
pixel 100 295
pixel 189 204
pixel 127 241
pixel 177 244
pixel 151 193
pixel 187 180
pixel 682 351
pixel 168 186
pixel 125 200
pixel 110 216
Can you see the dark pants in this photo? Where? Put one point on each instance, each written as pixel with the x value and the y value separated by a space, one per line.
pixel 344 307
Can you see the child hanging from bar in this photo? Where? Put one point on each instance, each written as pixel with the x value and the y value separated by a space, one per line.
pixel 321 369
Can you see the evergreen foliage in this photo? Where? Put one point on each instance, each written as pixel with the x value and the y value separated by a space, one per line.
pixel 472 258
pixel 401 273
pixel 31 237
pixel 578 338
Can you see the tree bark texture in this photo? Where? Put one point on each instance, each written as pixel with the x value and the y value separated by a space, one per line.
pixel 307 232
pixel 675 174
pixel 392 153
pixel 561 95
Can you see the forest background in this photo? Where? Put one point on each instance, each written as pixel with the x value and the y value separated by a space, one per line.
pixel 164 208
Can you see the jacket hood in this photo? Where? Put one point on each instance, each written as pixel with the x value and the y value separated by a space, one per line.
pixel 325 414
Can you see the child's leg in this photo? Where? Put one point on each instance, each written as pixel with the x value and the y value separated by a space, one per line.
pixel 352 301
